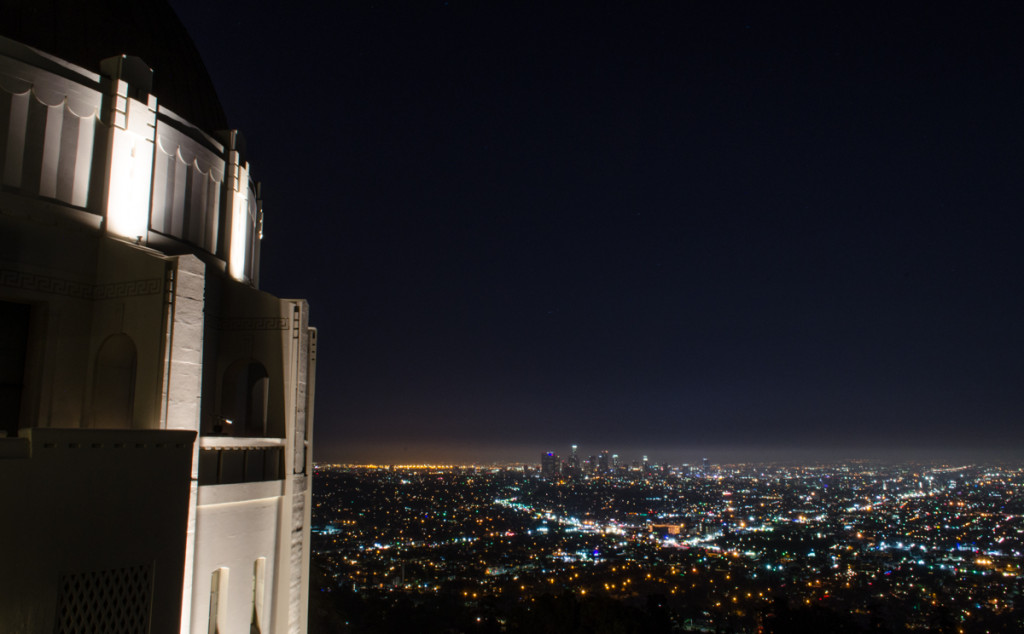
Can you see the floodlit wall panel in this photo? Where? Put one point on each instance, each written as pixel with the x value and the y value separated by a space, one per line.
pixel 234 535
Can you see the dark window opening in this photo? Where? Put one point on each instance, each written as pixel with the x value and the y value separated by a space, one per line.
pixel 14 336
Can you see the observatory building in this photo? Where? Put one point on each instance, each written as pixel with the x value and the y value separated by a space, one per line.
pixel 156 407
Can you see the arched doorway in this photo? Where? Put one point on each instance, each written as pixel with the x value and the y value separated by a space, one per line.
pixel 244 394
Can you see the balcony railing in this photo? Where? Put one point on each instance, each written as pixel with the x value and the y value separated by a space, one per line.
pixel 229 460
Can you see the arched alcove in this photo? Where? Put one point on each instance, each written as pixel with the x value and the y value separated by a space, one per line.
pixel 113 388
pixel 244 394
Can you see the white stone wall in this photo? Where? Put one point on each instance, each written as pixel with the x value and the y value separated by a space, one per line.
pixel 98 192
pixel 236 524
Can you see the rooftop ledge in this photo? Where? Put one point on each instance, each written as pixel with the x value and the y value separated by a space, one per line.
pixel 32 441
pixel 232 442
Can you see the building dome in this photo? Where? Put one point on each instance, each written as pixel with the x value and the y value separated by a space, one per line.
pixel 84 33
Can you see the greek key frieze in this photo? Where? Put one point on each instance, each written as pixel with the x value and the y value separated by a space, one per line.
pixel 127 289
pixel 53 285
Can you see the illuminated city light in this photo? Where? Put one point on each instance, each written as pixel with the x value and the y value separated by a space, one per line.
pixel 627 540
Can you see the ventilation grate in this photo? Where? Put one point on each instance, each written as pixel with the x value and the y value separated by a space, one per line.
pixel 109 601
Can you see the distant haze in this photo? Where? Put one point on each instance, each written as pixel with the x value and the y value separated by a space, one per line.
pixel 386 453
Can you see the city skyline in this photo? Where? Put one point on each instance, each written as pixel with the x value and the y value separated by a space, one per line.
pixel 734 226
pixel 448 453
pixel 756 548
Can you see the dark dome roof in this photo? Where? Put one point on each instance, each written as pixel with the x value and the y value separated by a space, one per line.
pixel 83 32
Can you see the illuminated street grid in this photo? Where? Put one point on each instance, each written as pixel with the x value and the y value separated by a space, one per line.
pixel 902 548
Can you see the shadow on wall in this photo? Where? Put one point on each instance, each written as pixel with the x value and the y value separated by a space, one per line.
pixel 113 395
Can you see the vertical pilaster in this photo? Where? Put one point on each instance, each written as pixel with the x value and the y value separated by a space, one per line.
pixel 130 111
pixel 182 402
pixel 239 224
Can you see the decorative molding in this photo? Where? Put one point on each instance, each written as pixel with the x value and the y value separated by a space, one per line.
pixel 59 286
pixel 128 289
pixel 117 600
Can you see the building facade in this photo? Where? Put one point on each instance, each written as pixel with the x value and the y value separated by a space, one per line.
pixel 156 407
pixel 549 465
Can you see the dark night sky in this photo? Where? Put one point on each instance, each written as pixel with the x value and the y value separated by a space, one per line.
pixel 642 227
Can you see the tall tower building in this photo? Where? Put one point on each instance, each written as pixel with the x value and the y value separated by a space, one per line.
pixel 156 406
pixel 574 461
pixel 549 467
